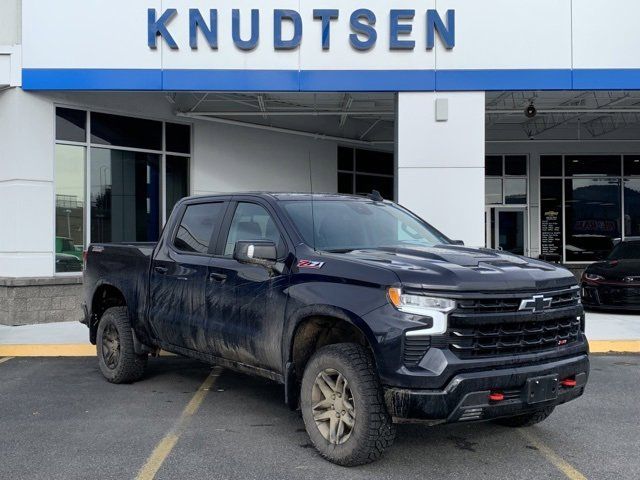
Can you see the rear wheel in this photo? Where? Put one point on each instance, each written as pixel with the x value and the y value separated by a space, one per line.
pixel 526 420
pixel 117 358
pixel 343 406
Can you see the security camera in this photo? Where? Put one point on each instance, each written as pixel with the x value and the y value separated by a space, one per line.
pixel 530 111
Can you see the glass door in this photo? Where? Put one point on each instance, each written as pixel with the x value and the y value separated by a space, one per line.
pixel 507 229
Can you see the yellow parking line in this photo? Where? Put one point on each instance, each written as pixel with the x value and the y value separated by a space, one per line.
pixel 606 346
pixel 557 461
pixel 163 449
pixel 5 359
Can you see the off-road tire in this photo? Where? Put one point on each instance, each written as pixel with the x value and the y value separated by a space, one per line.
pixel 373 430
pixel 129 366
pixel 526 420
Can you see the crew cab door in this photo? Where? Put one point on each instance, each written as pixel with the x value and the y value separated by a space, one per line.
pixel 179 275
pixel 245 322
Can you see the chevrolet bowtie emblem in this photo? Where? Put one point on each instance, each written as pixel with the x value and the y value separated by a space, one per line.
pixel 537 303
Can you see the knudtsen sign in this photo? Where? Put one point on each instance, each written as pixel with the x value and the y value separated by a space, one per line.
pixel 362 23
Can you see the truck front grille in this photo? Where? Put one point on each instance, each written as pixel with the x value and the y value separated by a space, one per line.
pixel 511 304
pixel 513 338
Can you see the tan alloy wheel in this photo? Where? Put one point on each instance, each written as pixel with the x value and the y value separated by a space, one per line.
pixel 333 406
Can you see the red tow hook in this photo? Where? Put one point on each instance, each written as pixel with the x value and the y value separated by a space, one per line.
pixel 496 396
pixel 568 382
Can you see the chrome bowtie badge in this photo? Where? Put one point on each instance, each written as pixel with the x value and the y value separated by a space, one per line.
pixel 537 303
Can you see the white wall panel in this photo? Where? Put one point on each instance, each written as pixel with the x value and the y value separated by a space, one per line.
pixel 606 34
pixel 87 34
pixel 441 164
pixel 500 34
pixel 229 158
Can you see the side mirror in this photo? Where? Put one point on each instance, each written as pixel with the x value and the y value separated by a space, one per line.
pixel 260 252
pixel 457 242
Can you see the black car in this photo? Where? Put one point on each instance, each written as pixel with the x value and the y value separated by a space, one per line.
pixel 615 282
pixel 367 315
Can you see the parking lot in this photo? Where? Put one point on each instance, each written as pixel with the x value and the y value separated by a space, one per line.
pixel 60 419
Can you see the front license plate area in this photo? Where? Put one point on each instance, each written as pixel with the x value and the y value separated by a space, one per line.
pixel 542 389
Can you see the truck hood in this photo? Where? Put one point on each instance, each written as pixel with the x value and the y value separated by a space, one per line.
pixel 455 268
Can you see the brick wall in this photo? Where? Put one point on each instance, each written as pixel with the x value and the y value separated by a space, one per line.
pixel 40 300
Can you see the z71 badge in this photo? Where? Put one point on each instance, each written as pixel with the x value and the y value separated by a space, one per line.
pixel 309 264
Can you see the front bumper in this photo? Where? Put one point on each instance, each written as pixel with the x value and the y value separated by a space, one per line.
pixel 614 297
pixel 466 396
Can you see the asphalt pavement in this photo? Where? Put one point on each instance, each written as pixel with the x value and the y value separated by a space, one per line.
pixel 60 420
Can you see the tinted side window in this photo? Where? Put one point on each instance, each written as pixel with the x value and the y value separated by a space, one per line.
pixel 198 225
pixel 253 222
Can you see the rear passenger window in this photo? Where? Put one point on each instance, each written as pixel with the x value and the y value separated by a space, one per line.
pixel 199 224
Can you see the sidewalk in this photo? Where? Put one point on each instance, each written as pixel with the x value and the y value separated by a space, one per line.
pixel 606 333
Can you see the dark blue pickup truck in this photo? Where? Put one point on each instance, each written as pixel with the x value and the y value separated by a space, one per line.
pixel 365 313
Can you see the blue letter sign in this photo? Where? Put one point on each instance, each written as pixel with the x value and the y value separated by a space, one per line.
pixel 326 16
pixel 396 29
pixel 365 29
pixel 159 27
pixel 292 16
pixel 435 24
pixel 196 21
pixel 255 30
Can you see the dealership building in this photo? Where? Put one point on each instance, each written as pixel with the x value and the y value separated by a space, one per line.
pixel 511 124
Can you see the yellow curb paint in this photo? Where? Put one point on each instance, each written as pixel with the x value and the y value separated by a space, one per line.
pixel 48 350
pixel 614 346
pixel 6 359
pixel 53 350
pixel 164 448
pixel 561 464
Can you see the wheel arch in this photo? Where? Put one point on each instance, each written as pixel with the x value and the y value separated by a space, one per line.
pixel 104 297
pixel 312 328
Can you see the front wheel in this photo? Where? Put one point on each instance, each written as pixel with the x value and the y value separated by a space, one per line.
pixel 343 407
pixel 526 420
pixel 117 358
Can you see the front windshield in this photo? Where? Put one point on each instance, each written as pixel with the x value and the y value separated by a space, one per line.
pixel 344 225
pixel 626 251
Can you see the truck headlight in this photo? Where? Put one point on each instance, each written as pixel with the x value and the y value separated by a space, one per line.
pixel 436 308
pixel 419 304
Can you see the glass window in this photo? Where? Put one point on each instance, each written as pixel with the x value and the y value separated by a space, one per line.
pixel 125 196
pixel 198 225
pixel 551 166
pixel 70 188
pixel 632 165
pixel 632 207
pixel 576 165
pixel 551 219
pixel 178 138
pixel 177 180
pixel 370 161
pixel 123 131
pixel 345 182
pixel 345 158
pixel 493 166
pixel 515 165
pixel 515 191
pixel 252 222
pixel 593 211
pixel 357 224
pixel 365 184
pixel 373 171
pixel 71 125
pixel 493 191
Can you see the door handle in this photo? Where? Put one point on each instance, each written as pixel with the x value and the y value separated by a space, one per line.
pixel 217 277
pixel 161 270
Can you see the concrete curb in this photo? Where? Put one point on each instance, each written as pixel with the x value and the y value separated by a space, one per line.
pixel 88 350
pixel 53 350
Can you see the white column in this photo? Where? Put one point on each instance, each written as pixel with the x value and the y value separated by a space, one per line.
pixel 440 164
pixel 27 207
